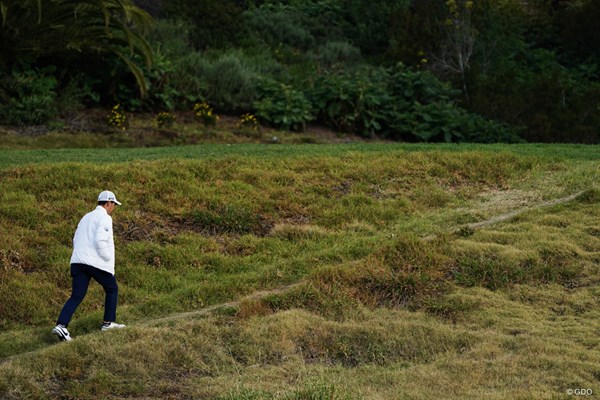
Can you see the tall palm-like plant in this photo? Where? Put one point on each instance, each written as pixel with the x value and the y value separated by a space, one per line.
pixel 34 29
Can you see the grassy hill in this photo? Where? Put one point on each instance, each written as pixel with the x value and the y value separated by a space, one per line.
pixel 308 272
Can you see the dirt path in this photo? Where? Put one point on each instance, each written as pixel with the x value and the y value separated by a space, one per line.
pixel 509 215
pixel 512 214
pixel 207 310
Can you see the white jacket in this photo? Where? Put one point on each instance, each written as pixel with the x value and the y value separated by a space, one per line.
pixel 93 243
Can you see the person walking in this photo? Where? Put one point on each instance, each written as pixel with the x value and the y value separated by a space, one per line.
pixel 93 257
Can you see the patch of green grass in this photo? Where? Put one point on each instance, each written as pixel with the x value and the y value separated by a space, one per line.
pixel 390 302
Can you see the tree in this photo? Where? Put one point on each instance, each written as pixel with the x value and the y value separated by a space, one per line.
pixel 579 35
pixel 454 54
pixel 31 30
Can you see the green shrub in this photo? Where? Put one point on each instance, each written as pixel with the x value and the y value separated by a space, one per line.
pixel 279 25
pixel 554 103
pixel 282 106
pixel 226 80
pixel 352 102
pixel 401 104
pixel 443 121
pixel 231 83
pixel 28 97
pixel 175 76
pixel 336 54
pixel 213 23
pixel 75 94
pixel 182 76
pixel 75 36
pixel 370 21
pixel 161 94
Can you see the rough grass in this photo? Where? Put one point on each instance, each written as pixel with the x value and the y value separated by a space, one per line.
pixel 396 298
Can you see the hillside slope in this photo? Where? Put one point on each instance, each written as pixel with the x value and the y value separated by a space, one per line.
pixel 391 289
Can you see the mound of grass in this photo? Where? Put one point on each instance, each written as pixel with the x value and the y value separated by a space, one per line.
pixel 393 299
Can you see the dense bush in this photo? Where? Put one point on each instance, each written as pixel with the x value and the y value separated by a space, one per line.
pixel 401 104
pixel 336 55
pixel 370 22
pixel 214 23
pixel 554 103
pixel 282 106
pixel 28 97
pixel 300 25
pixel 353 102
pixel 279 25
pixel 59 32
pixel 230 83
pixel 181 76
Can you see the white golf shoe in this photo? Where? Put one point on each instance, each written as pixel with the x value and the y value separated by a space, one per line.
pixel 62 333
pixel 112 325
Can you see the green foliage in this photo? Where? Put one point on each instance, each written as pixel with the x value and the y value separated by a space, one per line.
pixel 230 82
pixel 402 104
pixel 279 25
pixel 336 55
pixel 59 31
pixel 28 97
pixel 175 77
pixel 182 76
pixel 213 23
pixel 443 121
pixel 530 69
pixel 370 21
pixel 78 92
pixel 227 81
pixel 554 103
pixel 415 30
pixel 299 25
pixel 302 36
pixel 161 93
pixel 282 106
pixel 352 102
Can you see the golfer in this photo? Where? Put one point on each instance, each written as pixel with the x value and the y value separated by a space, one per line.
pixel 93 257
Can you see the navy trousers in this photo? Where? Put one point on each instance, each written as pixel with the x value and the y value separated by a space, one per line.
pixel 81 275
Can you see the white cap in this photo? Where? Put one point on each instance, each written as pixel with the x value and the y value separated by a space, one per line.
pixel 108 196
